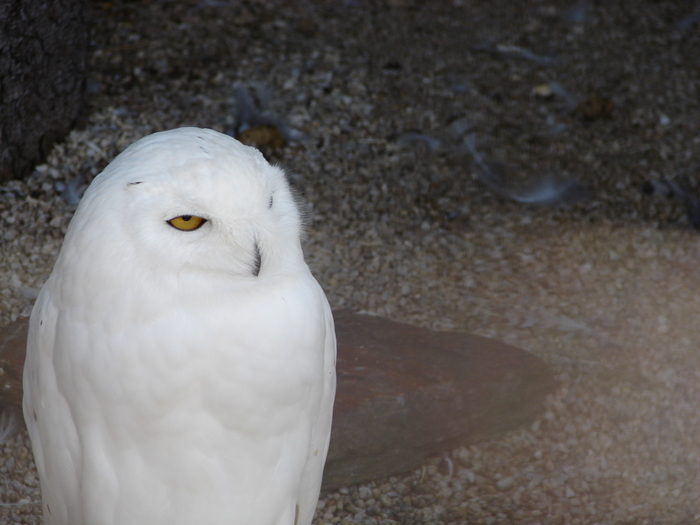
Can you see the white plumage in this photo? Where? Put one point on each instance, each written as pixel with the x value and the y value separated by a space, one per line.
pixel 181 375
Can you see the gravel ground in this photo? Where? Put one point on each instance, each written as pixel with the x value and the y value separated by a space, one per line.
pixel 400 223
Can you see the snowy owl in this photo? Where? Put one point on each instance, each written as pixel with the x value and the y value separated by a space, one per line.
pixel 181 357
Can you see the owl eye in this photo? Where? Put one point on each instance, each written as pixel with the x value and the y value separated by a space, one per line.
pixel 187 222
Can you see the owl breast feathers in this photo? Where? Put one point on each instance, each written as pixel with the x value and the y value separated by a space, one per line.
pixel 180 360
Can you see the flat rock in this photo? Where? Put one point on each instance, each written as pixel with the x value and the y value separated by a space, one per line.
pixel 13 347
pixel 404 392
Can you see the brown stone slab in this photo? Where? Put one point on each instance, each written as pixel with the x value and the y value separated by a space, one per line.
pixel 404 392
pixel 13 347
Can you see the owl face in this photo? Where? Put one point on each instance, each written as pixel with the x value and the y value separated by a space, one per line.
pixel 177 216
pixel 190 201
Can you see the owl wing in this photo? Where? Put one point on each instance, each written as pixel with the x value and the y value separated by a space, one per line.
pixel 49 421
pixel 321 434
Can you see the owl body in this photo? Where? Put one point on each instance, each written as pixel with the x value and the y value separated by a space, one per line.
pixel 176 377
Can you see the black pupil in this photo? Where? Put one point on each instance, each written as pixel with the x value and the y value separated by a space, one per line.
pixel 186 218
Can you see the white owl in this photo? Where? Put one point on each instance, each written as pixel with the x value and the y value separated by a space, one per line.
pixel 181 357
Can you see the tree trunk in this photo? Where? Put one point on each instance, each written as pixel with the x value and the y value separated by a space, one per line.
pixel 43 60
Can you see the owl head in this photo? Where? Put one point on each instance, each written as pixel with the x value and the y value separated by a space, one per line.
pixel 186 202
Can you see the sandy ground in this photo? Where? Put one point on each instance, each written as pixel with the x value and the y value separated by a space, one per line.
pixel 404 222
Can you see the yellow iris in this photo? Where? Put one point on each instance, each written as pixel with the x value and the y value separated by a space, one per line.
pixel 187 222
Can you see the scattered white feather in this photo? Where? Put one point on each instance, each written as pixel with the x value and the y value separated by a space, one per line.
pixel 546 191
pixel 8 424
pixel 418 141
pixel 252 111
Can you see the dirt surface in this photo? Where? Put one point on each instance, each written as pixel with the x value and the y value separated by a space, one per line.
pixel 392 99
